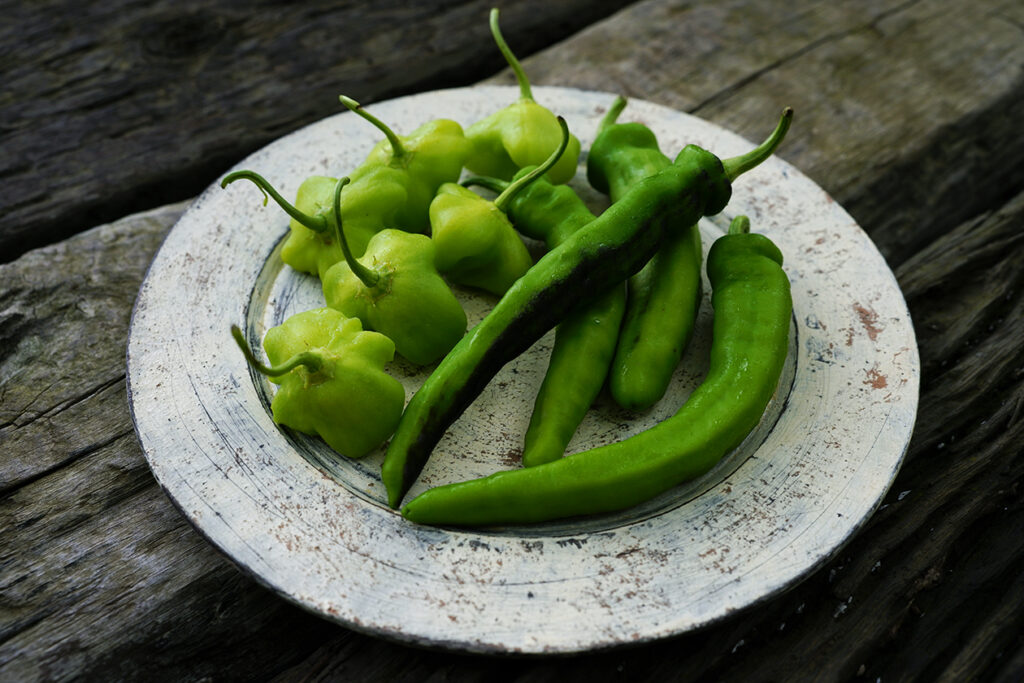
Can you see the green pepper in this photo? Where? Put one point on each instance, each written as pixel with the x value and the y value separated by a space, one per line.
pixel 476 244
pixel 430 156
pixel 396 290
pixel 522 134
pixel 605 251
pixel 584 341
pixel 392 188
pixel 664 297
pixel 332 380
pixel 753 307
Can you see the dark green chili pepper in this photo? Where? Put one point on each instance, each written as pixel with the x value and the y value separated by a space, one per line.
pixel 753 307
pixel 664 297
pixel 607 250
pixel 584 341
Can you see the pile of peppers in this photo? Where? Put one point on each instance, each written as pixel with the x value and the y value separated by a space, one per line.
pixel 622 289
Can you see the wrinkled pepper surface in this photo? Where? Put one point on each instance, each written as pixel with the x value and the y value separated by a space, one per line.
pixel 332 380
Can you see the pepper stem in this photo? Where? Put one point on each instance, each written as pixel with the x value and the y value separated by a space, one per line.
pixel 525 92
pixel 510 192
pixel 311 359
pixel 737 166
pixel 367 276
pixel 739 226
pixel 487 182
pixel 314 223
pixel 612 115
pixel 397 148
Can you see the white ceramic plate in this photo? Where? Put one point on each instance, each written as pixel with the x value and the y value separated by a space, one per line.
pixel 313 525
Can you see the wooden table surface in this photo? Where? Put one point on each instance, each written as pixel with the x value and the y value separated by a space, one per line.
pixel 113 115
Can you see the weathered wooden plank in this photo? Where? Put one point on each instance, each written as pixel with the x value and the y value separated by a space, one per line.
pixel 929 589
pixel 907 112
pixel 191 87
pixel 99 573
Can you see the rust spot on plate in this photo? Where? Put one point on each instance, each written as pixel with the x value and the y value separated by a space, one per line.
pixel 875 379
pixel 869 319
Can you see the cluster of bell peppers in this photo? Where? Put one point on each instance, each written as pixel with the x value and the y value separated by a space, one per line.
pixel 622 290
pixel 387 240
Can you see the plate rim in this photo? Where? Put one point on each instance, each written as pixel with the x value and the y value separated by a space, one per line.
pixel 140 310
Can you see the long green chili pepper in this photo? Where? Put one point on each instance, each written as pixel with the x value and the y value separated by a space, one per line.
pixel 584 341
pixel 607 250
pixel 664 297
pixel 753 306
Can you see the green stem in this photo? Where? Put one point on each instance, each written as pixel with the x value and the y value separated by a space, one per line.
pixel 739 226
pixel 311 359
pixel 486 182
pixel 737 166
pixel 368 277
pixel 397 148
pixel 524 83
pixel 314 223
pixel 612 115
pixel 510 192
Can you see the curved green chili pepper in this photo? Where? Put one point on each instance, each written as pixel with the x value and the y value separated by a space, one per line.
pixel 753 307
pixel 607 250
pixel 664 297
pixel 395 289
pixel 584 341
pixel 522 134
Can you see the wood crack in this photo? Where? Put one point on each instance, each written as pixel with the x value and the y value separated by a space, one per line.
pixel 60 407
pixel 7 491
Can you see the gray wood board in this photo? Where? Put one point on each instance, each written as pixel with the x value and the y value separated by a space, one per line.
pixel 907 112
pixel 191 87
pixel 920 150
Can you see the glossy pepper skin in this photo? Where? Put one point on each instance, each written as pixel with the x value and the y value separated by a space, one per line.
pixel 606 251
pixel 753 307
pixel 476 243
pixel 332 380
pixel 395 289
pixel 522 134
pixel 664 297
pixel 584 341
pixel 392 188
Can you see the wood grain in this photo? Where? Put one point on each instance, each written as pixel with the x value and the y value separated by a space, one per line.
pixel 905 113
pixel 191 87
